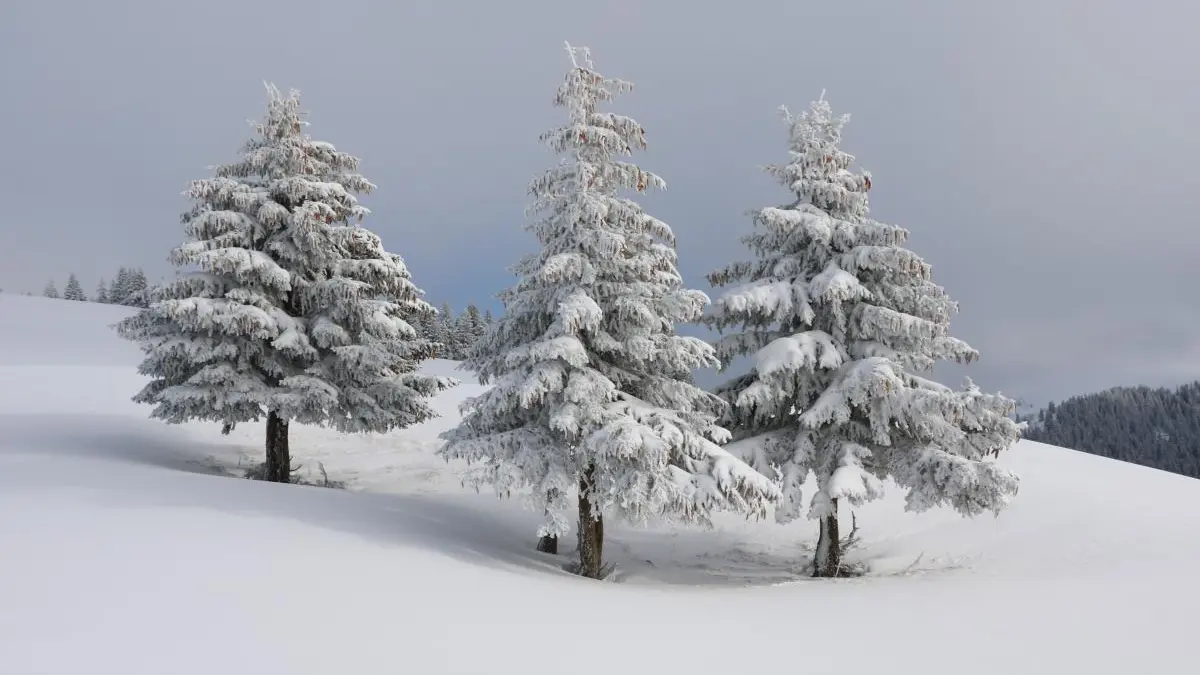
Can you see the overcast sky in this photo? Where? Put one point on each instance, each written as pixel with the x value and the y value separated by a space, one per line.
pixel 1041 152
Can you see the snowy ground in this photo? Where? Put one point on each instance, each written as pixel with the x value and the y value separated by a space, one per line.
pixel 127 549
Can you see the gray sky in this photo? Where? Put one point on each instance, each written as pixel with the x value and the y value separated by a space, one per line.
pixel 1040 151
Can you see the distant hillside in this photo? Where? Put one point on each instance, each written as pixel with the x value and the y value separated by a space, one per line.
pixel 1159 428
pixel 37 331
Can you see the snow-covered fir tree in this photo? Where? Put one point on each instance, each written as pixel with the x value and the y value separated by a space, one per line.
pixel 284 319
pixel 423 324
pixel 102 292
pixel 74 291
pixel 471 329
pixel 135 290
pixel 119 289
pixel 50 291
pixel 839 319
pixel 443 332
pixel 460 331
pixel 591 392
pixel 454 335
pixel 460 335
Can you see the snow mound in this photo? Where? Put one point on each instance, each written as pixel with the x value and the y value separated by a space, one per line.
pixel 128 549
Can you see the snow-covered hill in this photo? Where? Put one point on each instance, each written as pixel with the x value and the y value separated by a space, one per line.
pixel 123 550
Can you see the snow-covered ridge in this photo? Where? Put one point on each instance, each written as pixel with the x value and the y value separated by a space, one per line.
pixel 126 552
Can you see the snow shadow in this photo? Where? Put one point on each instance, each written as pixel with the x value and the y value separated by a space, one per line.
pixel 427 522
pixel 469 532
pixel 693 556
pixel 484 531
pixel 479 529
pixel 112 439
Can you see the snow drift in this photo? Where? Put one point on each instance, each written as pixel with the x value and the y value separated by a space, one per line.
pixel 127 548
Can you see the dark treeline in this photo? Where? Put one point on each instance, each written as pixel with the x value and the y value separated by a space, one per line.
pixel 1159 428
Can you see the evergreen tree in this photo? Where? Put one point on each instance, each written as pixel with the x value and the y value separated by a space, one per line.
pixel 423 324
pixel 459 337
pixel 443 332
pixel 284 318
pixel 589 382
pixel 101 292
pixel 474 327
pixel 74 291
pixel 135 292
pixel 466 331
pixel 838 318
pixel 120 287
pixel 1159 428
pixel 50 291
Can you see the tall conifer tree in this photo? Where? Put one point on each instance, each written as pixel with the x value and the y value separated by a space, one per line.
pixel 74 291
pixel 590 384
pixel 840 319
pixel 297 313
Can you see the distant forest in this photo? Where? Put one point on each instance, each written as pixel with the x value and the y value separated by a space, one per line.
pixel 1159 428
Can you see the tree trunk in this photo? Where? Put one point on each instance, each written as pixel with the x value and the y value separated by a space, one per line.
pixel 548 544
pixel 591 529
pixel 828 561
pixel 279 458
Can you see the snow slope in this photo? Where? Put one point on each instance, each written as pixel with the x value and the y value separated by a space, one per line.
pixel 125 550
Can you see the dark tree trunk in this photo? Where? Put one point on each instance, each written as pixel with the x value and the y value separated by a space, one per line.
pixel 591 529
pixel 279 458
pixel 548 544
pixel 828 561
